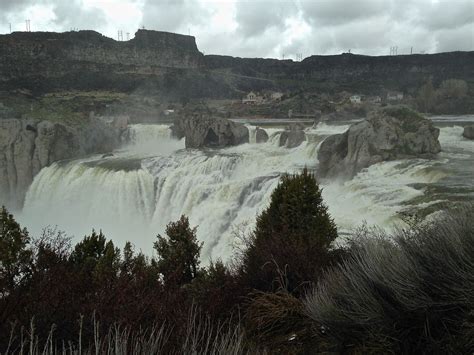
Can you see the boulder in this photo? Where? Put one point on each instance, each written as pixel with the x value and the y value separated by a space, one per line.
pixel 391 134
pixel 261 135
pixel 468 132
pixel 201 130
pixel 293 136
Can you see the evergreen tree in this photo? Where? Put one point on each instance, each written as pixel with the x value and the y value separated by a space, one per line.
pixel 292 238
pixel 15 256
pixel 179 253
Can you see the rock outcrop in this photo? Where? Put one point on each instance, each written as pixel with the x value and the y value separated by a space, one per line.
pixel 293 136
pixel 202 130
pixel 261 136
pixel 390 134
pixel 27 146
pixel 172 66
pixel 468 132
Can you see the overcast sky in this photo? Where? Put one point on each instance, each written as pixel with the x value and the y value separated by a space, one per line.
pixel 265 28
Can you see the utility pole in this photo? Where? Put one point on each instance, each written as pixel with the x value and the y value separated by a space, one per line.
pixel 120 36
pixel 10 24
pixel 28 25
pixel 283 56
pixel 128 36
pixel 411 50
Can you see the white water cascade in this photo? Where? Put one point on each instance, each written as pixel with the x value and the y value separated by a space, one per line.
pixel 154 180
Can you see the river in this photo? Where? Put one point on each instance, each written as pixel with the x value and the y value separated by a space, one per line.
pixel 154 180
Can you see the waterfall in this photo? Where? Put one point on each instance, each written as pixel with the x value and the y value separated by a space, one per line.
pixel 152 181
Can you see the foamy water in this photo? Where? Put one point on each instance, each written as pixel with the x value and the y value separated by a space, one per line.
pixel 154 180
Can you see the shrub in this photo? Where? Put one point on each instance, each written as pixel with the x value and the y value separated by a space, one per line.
pixel 411 293
pixel 15 256
pixel 294 234
pixel 179 253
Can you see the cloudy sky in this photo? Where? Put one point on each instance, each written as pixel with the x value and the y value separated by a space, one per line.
pixel 265 28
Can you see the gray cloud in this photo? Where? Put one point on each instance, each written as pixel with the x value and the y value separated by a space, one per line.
pixel 256 17
pixel 173 15
pixel 461 38
pixel 271 28
pixel 72 14
pixel 448 14
pixel 8 7
pixel 336 12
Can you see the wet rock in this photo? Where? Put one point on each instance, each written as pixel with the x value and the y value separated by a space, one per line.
pixel 201 130
pixel 293 136
pixel 391 134
pixel 468 132
pixel 27 146
pixel 261 135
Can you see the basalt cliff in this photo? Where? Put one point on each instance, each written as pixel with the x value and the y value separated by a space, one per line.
pixel 171 64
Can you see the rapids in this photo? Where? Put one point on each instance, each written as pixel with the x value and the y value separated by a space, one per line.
pixel 154 180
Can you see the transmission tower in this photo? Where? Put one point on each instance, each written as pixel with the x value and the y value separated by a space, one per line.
pixel 119 35
pixel 28 25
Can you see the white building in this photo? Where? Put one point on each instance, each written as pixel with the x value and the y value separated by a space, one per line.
pixel 375 99
pixel 394 96
pixel 252 98
pixel 356 99
pixel 276 96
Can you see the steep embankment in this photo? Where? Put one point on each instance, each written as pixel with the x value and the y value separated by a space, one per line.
pixel 171 65
pixel 86 60
pixel 352 72
pixel 27 146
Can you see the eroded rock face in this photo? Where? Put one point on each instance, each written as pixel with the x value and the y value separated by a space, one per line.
pixel 293 136
pixel 385 135
pixel 201 130
pixel 468 132
pixel 27 146
pixel 261 135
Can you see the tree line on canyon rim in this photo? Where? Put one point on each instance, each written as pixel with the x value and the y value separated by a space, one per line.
pixel 290 288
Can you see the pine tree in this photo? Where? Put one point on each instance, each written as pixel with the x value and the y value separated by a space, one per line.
pixel 292 238
pixel 15 255
pixel 179 253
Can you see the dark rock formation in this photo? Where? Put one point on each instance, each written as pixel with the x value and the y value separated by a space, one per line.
pixel 293 136
pixel 261 135
pixel 86 60
pixel 27 146
pixel 201 130
pixel 468 132
pixel 386 135
pixel 171 64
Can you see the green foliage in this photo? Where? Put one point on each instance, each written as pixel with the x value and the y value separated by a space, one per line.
pixel 90 249
pixel 402 113
pixel 426 97
pixel 297 209
pixel 292 238
pixel 15 256
pixel 452 89
pixel 179 253
pixel 411 292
